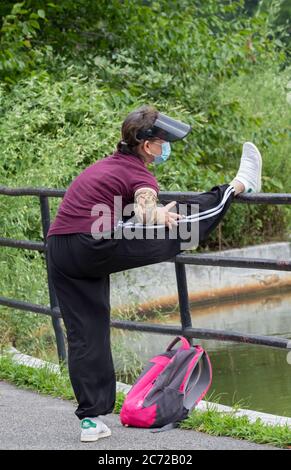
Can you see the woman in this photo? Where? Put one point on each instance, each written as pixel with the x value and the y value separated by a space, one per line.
pixel 92 238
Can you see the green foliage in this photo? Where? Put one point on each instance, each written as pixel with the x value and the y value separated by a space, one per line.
pixel 155 34
pixel 261 101
pixel 279 17
pixel 51 129
pixel 238 427
pixel 127 362
pixel 43 380
pixel 33 334
pixel 18 32
pixel 70 71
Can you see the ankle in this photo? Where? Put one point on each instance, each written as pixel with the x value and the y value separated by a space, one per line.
pixel 238 186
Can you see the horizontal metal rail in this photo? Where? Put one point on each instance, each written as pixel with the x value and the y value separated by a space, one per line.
pixel 257 198
pixel 201 259
pixel 234 262
pixel 165 196
pixel 205 333
pixel 199 333
pixel 24 244
pixel 27 191
pixel 28 307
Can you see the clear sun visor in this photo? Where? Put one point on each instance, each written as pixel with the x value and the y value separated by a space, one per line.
pixel 166 128
pixel 169 129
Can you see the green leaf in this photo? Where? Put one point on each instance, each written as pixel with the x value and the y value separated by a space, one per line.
pixel 35 24
pixel 41 13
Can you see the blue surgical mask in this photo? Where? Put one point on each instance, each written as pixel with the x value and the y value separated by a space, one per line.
pixel 166 150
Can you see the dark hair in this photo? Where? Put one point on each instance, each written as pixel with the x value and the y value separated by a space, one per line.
pixel 140 119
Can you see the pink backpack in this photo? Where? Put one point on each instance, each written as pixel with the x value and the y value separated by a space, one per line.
pixel 169 387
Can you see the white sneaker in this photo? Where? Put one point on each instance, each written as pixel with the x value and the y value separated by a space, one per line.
pixel 93 429
pixel 250 170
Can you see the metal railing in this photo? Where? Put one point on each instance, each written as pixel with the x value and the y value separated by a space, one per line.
pixel 180 261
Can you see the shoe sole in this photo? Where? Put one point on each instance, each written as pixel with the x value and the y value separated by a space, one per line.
pixel 95 438
pixel 259 180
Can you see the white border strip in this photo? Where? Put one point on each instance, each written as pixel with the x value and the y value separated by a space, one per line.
pixel 30 361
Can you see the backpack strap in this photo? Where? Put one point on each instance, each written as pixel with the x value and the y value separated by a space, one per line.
pixel 185 343
pixel 167 427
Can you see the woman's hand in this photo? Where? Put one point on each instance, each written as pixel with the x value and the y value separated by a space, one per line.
pixel 166 217
pixel 147 212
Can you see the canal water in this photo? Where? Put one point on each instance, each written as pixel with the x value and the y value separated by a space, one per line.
pixel 256 377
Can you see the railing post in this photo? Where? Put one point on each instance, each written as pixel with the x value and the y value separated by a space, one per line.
pixel 45 218
pixel 182 288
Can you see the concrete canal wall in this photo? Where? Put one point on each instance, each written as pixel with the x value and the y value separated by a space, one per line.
pixel 155 285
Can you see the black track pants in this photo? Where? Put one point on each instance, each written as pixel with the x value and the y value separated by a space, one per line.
pixel 80 267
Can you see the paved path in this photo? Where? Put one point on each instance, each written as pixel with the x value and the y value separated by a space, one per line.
pixel 32 421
